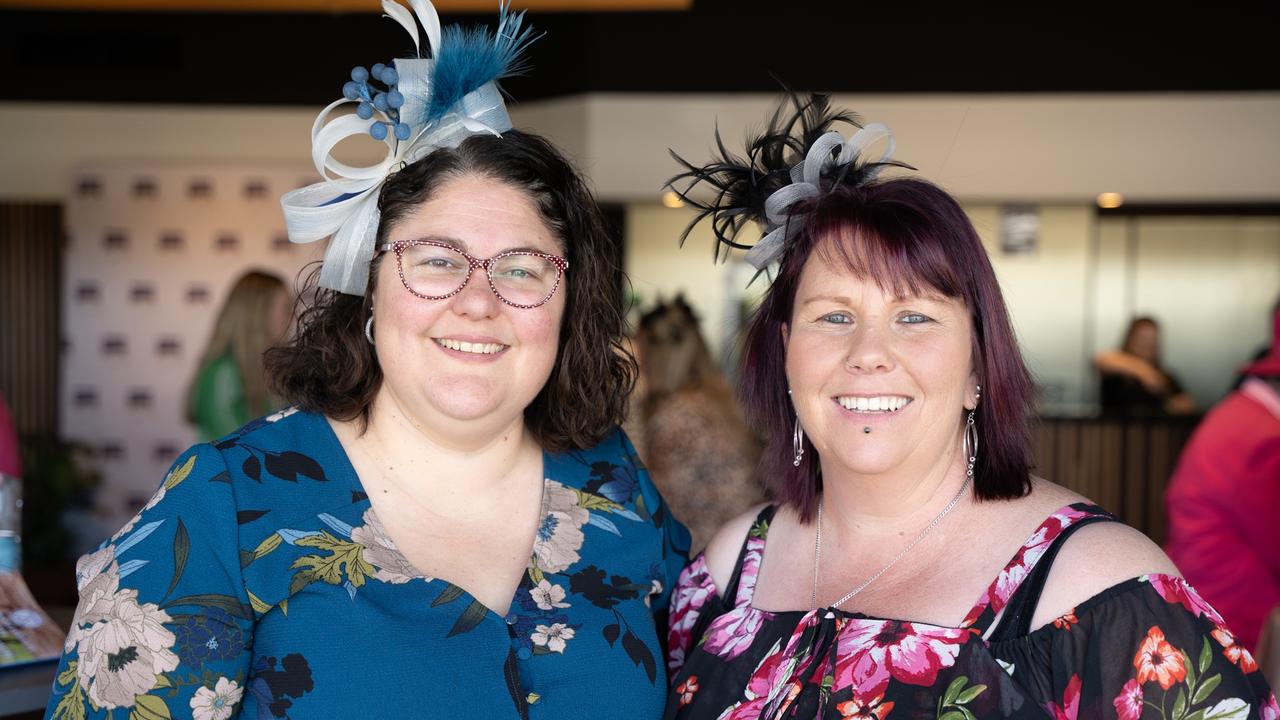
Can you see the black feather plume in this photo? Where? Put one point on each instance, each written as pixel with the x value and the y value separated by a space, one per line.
pixel 740 186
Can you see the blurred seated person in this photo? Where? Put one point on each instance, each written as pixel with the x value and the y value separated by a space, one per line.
pixel 1223 502
pixel 1134 384
pixel 230 386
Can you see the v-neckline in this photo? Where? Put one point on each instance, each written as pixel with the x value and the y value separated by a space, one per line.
pixel 357 485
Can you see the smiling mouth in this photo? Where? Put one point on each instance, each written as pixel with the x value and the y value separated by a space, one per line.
pixel 881 404
pixel 470 347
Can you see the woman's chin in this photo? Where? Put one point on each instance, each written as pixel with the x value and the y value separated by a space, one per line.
pixel 865 462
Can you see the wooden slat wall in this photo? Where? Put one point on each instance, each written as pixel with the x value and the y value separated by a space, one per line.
pixel 31 238
pixel 1124 466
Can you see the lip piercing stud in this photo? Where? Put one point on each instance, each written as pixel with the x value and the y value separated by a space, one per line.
pixel 866 430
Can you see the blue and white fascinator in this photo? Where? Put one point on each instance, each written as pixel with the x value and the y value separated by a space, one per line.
pixel 799 157
pixel 422 104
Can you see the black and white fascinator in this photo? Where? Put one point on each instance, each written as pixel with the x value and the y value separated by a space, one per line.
pixel 800 155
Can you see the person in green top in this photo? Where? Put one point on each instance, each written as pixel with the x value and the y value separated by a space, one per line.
pixel 229 388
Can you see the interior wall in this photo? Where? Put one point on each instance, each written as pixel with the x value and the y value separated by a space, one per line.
pixel 987 148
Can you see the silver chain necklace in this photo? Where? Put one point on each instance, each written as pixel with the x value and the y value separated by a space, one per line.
pixel 817 546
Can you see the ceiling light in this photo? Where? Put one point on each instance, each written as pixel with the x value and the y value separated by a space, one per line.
pixel 1110 200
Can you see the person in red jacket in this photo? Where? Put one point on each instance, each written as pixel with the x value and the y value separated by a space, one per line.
pixel 1223 502
pixel 9 461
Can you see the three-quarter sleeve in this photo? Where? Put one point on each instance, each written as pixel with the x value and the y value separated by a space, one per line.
pixel 1148 648
pixel 164 624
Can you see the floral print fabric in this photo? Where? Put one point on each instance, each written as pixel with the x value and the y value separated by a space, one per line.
pixel 259 583
pixel 1146 648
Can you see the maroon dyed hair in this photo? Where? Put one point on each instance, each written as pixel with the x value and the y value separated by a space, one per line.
pixel 912 238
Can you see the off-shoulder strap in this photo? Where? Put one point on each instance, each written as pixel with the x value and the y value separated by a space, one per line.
pixel 751 546
pixel 1031 563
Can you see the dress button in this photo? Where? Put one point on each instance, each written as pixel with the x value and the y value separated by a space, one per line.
pixel 533 698
pixel 523 653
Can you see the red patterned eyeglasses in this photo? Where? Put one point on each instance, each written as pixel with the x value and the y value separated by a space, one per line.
pixel 435 271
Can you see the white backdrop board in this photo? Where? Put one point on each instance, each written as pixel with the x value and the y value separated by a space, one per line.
pixel 152 253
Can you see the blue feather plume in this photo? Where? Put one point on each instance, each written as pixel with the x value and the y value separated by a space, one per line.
pixel 469 57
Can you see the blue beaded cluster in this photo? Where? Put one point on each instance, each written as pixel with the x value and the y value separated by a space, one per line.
pixel 388 102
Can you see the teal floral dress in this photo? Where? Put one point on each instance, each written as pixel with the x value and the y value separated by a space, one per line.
pixel 258 583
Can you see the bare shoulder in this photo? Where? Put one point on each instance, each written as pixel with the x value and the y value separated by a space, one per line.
pixel 1050 496
pixel 723 549
pixel 1098 556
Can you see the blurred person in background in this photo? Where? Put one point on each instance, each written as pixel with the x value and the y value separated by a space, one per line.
pixel 10 463
pixel 1223 502
pixel 1133 381
pixel 230 386
pixel 698 447
pixel 10 493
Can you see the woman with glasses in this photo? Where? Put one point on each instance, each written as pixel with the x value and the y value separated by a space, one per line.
pixel 447 522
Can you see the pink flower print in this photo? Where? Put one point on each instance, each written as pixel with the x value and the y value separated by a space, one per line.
pixel 1270 711
pixel 910 653
pixel 732 633
pixel 693 591
pixel 1070 707
pixel 1129 702
pixel 750 566
pixel 1176 590
pixel 769 675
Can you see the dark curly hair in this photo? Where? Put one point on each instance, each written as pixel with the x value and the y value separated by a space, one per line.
pixel 329 367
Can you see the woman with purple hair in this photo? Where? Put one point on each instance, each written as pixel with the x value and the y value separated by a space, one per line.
pixel 911 565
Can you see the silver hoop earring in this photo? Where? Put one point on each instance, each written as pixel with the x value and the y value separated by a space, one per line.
pixel 797 443
pixel 368 329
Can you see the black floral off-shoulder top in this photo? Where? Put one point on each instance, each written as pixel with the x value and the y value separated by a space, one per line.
pixel 1148 648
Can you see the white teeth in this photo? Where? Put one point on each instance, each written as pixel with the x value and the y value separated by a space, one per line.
pixel 879 404
pixel 467 347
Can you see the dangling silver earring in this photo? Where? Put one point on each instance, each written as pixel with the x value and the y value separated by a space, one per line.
pixel 797 443
pixel 797 440
pixel 971 436
pixel 368 329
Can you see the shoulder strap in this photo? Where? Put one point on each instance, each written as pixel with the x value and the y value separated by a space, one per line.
pixel 1018 612
pixel 741 593
pixel 1043 544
